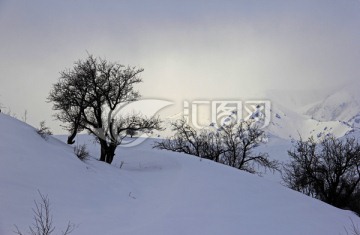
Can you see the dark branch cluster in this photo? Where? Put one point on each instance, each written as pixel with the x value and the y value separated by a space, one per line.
pixel 231 144
pixel 329 171
pixel 44 131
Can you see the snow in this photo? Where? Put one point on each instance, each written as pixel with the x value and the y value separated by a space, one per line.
pixel 342 105
pixel 315 113
pixel 154 192
pixel 293 125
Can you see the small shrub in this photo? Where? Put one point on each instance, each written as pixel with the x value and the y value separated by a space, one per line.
pixel 43 220
pixel 43 130
pixel 81 152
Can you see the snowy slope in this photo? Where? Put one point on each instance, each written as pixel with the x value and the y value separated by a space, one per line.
pixel 155 192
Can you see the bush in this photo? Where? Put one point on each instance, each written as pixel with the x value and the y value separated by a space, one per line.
pixel 43 130
pixel 232 144
pixel 81 152
pixel 239 140
pixel 329 171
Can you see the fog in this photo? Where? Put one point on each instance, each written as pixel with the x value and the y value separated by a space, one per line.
pixel 190 50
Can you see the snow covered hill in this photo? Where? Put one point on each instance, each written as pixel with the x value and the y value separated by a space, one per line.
pixel 154 192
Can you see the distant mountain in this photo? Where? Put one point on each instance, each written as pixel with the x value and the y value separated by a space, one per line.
pixel 314 112
pixel 289 124
pixel 342 105
pixel 304 113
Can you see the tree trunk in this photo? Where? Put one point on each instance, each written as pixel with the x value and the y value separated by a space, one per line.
pixel 111 153
pixel 71 138
pixel 103 151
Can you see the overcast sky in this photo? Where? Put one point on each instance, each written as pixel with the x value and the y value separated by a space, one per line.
pixel 189 49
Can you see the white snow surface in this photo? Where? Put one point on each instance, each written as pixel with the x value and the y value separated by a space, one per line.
pixel 315 113
pixel 342 104
pixel 288 124
pixel 155 192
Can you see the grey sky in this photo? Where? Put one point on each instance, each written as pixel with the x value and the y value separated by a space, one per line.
pixel 189 49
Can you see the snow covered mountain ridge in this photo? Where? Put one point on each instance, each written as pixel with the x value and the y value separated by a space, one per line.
pixel 343 105
pixel 315 113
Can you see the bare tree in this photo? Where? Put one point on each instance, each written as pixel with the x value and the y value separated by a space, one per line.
pixel 240 139
pixel 205 143
pixel 231 144
pixel 185 139
pixel 329 171
pixel 89 96
pixel 211 145
pixel 70 97
pixel 43 220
